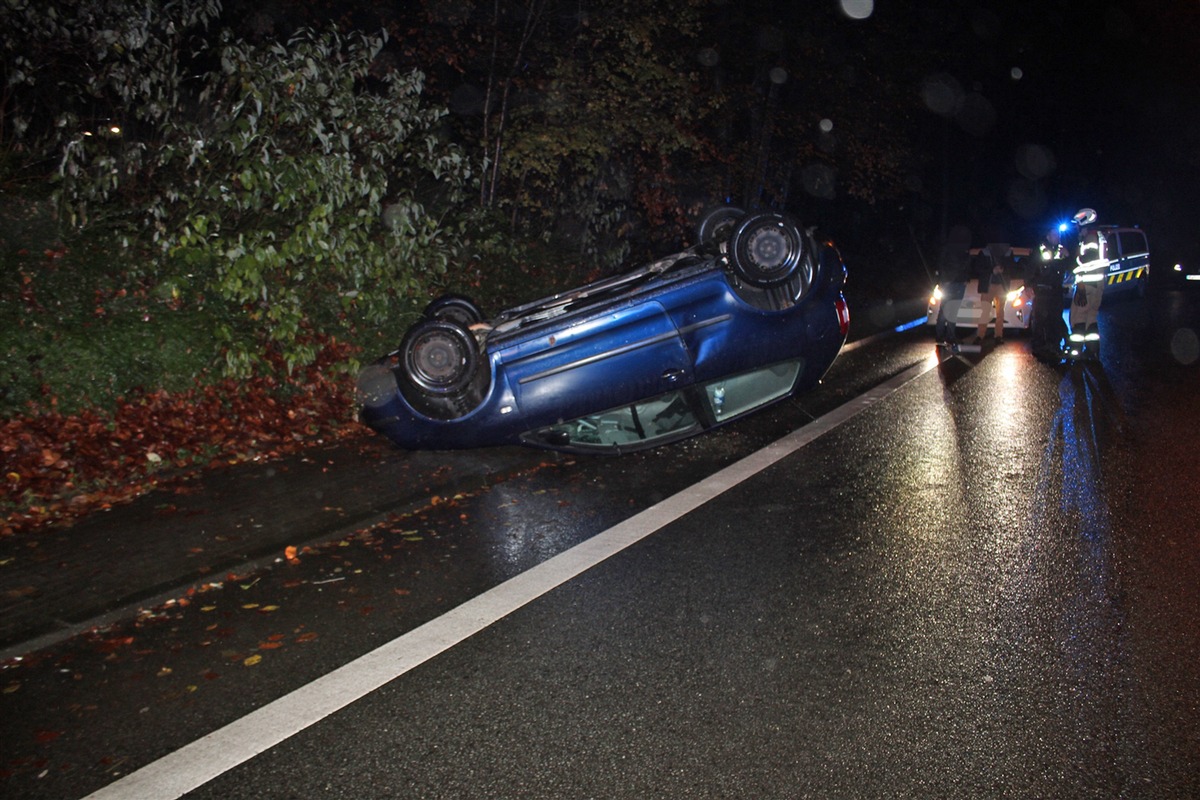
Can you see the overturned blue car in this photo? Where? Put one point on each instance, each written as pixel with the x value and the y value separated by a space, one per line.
pixel 750 315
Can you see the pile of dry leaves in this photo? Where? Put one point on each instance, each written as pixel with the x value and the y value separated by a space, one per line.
pixel 55 467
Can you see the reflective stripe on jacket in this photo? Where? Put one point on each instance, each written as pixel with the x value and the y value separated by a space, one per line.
pixel 1092 264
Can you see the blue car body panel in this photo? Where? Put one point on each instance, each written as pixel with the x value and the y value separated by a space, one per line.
pixel 597 361
pixel 579 353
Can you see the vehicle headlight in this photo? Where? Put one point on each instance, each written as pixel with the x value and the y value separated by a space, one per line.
pixel 937 295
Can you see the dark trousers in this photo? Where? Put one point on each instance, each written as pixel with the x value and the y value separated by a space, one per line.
pixel 1049 330
pixel 946 328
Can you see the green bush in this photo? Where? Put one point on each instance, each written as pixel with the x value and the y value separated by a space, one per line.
pixel 296 188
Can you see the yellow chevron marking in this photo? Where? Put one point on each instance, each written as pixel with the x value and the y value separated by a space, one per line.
pixel 1128 275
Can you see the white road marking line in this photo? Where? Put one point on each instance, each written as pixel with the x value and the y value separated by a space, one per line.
pixel 195 764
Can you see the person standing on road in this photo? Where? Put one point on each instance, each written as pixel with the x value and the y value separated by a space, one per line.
pixel 1091 273
pixel 954 264
pixel 1050 264
pixel 993 291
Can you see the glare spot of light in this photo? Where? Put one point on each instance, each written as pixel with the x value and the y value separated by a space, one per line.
pixel 857 9
pixel 1006 413
pixel 1016 73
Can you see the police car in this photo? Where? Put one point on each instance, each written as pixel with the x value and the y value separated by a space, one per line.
pixel 1128 255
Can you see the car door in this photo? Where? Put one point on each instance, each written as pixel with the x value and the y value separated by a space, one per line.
pixel 593 361
pixel 1129 259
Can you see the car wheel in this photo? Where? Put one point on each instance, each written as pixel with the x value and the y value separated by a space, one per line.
pixel 717 223
pixel 455 308
pixel 765 249
pixel 439 357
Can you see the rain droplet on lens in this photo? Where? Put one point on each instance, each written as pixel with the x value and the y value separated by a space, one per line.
pixel 941 94
pixel 1185 346
pixel 858 9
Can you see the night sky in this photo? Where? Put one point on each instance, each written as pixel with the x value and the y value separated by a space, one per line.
pixel 1068 104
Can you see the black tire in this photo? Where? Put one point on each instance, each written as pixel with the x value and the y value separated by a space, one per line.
pixel 455 308
pixel 766 249
pixel 717 224
pixel 439 357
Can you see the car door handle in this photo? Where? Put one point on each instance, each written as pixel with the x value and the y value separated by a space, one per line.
pixel 672 375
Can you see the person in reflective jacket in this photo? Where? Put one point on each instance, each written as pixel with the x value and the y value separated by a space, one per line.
pixel 1051 260
pixel 1091 272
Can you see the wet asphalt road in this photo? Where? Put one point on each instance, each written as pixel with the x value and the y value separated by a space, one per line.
pixel 984 584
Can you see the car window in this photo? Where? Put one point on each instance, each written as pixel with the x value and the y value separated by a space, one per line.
pixel 670 416
pixel 650 422
pixel 740 394
pixel 1132 243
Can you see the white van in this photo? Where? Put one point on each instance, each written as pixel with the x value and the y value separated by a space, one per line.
pixel 1018 306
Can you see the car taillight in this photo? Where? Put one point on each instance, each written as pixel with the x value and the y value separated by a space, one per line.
pixel 843 312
